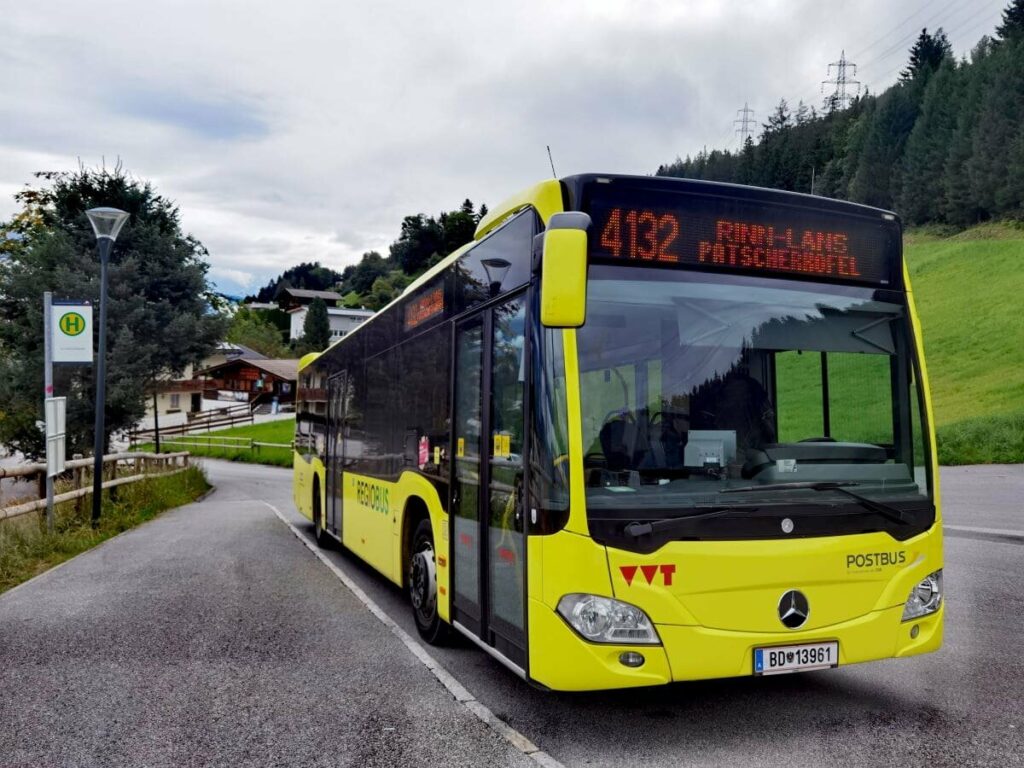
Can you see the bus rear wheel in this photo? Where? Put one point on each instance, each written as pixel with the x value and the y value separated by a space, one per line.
pixel 422 577
pixel 322 539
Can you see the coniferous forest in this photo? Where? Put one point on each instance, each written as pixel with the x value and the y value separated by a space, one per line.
pixel 944 145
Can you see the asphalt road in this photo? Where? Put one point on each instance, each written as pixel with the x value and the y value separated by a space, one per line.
pixel 211 636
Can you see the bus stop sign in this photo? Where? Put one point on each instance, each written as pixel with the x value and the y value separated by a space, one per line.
pixel 71 324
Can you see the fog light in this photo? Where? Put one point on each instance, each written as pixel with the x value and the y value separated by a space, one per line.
pixel 914 632
pixel 631 659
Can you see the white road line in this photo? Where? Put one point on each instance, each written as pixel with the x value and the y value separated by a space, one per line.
pixel 998 532
pixel 454 687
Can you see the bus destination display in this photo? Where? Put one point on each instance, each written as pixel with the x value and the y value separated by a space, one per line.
pixel 424 307
pixel 738 235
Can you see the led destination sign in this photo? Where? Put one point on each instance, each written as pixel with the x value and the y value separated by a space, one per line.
pixel 424 307
pixel 740 235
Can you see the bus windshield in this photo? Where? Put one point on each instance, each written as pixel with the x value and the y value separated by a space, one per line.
pixel 694 383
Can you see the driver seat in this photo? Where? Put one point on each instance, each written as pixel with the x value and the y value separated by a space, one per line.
pixel 619 436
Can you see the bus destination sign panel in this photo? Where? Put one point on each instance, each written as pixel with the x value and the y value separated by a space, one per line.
pixel 424 307
pixel 740 235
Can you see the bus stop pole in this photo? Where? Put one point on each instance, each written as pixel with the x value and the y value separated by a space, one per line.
pixel 48 389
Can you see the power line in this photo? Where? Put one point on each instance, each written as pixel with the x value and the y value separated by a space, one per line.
pixel 846 70
pixel 746 123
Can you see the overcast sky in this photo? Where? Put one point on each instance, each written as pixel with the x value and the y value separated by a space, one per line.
pixel 304 130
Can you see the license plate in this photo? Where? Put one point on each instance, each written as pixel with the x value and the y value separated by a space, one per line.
pixel 779 659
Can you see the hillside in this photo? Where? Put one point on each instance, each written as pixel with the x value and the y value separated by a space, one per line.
pixel 968 289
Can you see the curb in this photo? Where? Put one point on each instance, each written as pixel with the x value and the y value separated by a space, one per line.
pixel 513 737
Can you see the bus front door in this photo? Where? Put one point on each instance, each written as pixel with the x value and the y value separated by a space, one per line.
pixel 488 546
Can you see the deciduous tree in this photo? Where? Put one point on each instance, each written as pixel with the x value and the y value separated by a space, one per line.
pixel 159 313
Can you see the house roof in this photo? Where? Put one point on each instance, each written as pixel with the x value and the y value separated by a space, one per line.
pixel 283 369
pixel 239 351
pixel 302 293
pixel 336 311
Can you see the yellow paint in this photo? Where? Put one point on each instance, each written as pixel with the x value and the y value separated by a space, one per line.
pixel 711 602
pixel 563 285
pixel 545 197
pixel 373 520
pixel 915 320
pixel 307 360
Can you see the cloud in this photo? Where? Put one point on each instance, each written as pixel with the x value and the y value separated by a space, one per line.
pixel 306 131
pixel 222 119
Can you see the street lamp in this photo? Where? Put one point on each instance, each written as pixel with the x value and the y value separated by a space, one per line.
pixel 496 270
pixel 106 223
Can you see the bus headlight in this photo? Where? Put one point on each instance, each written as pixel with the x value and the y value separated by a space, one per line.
pixel 604 620
pixel 925 598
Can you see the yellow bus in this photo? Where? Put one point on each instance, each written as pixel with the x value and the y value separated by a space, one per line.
pixel 643 430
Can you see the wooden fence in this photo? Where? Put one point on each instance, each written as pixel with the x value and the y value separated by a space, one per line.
pixel 223 442
pixel 140 466
pixel 218 419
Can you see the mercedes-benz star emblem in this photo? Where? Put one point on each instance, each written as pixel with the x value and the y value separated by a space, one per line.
pixel 793 609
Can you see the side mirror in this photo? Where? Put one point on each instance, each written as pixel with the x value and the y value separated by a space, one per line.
pixel 563 276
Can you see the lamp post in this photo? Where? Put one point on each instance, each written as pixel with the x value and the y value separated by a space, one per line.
pixel 496 270
pixel 106 223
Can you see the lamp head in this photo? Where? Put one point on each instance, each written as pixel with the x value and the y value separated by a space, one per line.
pixel 106 222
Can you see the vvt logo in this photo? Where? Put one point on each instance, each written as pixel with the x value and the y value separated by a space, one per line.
pixel 649 573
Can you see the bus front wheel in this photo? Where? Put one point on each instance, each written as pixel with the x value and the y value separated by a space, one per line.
pixel 422 571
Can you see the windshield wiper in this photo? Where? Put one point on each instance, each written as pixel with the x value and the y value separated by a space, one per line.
pixel 637 529
pixel 890 512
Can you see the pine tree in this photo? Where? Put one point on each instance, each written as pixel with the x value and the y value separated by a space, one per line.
pixel 316 328
pixel 999 120
pixel 876 179
pixel 921 197
pixel 926 55
pixel 1012 25
pixel 961 206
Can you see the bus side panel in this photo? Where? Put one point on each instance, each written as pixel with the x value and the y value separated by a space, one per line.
pixel 410 486
pixel 368 520
pixel 303 473
pixel 373 520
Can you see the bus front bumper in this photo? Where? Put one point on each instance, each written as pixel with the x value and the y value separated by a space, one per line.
pixel 561 660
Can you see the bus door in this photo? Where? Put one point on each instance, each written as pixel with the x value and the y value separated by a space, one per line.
pixel 336 387
pixel 488 545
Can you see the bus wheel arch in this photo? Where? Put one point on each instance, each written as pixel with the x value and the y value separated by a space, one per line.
pixel 319 532
pixel 419 577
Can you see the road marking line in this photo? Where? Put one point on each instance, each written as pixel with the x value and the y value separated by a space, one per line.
pixel 1001 533
pixel 454 687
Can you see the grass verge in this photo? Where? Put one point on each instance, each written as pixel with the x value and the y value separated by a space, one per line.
pixel 983 440
pixel 281 431
pixel 27 549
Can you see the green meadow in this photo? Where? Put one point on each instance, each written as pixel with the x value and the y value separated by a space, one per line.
pixel 969 290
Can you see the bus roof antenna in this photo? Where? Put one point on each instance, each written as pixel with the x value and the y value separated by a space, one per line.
pixel 550 160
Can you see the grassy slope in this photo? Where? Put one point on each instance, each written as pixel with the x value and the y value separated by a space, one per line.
pixel 969 294
pixel 969 291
